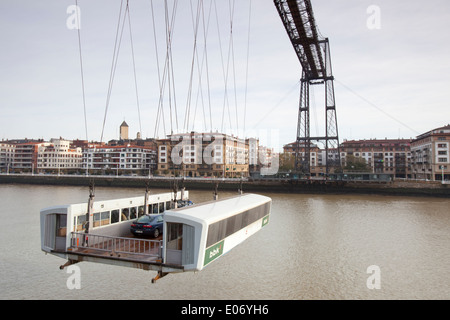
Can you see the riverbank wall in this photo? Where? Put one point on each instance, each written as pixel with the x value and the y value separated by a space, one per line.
pixel 396 187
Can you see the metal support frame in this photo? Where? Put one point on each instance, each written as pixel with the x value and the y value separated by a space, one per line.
pixel 315 58
pixel 304 139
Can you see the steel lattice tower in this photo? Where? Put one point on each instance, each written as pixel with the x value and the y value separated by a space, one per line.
pixel 313 52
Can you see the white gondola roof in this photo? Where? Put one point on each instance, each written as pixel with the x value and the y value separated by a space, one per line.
pixel 215 210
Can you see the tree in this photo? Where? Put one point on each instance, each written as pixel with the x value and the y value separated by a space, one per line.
pixel 287 162
pixel 355 164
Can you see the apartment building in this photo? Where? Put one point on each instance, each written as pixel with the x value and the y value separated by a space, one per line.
pixel 391 156
pixel 380 156
pixel 59 156
pixel 203 154
pixel 7 151
pixel 430 155
pixel 119 159
pixel 26 156
pixel 315 155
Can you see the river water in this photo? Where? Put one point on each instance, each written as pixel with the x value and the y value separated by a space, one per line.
pixel 315 247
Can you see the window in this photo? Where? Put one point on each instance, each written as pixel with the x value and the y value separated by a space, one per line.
pixel 97 221
pixel 104 218
pixel 224 228
pixel 61 225
pixel 125 215
pixel 174 236
pixel 114 216
pixel 133 212
pixel 140 211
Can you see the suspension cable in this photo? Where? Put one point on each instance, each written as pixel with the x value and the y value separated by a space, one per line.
pixel 161 90
pixel 82 72
pixel 225 73
pixel 233 64
pixel 113 67
pixel 188 102
pixel 246 71
pixel 134 67
pixel 205 34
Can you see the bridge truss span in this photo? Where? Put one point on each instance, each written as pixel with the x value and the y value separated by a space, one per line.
pixel 313 52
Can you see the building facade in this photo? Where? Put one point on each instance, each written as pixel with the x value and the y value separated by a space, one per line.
pixel 7 151
pixel 316 162
pixel 203 155
pixel 59 156
pixel 119 159
pixel 25 158
pixel 430 154
pixel 390 156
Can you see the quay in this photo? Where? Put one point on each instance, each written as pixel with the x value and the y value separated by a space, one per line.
pixel 401 187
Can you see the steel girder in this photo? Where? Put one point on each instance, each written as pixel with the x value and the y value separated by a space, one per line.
pixel 313 52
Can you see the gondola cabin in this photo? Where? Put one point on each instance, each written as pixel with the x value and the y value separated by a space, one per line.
pixel 197 235
pixel 193 235
pixel 63 226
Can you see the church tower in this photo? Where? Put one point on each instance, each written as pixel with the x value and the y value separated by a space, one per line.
pixel 124 131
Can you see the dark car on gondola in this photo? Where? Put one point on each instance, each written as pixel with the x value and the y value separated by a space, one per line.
pixel 148 225
pixel 184 203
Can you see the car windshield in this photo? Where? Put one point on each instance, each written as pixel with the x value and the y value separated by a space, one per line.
pixel 146 219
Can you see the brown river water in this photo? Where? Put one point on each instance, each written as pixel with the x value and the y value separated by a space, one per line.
pixel 315 247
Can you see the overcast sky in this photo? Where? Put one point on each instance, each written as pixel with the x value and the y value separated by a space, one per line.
pixel 391 69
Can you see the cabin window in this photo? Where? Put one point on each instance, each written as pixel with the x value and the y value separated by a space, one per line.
pixel 161 207
pixel 216 232
pixel 133 212
pixel 168 205
pixel 97 219
pixel 61 225
pixel 125 214
pixel 174 236
pixel 140 211
pixel 114 216
pixel 224 228
pixel 101 219
pixel 81 220
pixel 104 218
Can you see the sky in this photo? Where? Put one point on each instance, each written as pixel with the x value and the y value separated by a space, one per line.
pixel 390 59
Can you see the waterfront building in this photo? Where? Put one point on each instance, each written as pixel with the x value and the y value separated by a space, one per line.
pixel 203 155
pixel 317 161
pixel 431 155
pixel 6 156
pixel 59 156
pixel 391 156
pixel 119 159
pixel 26 156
